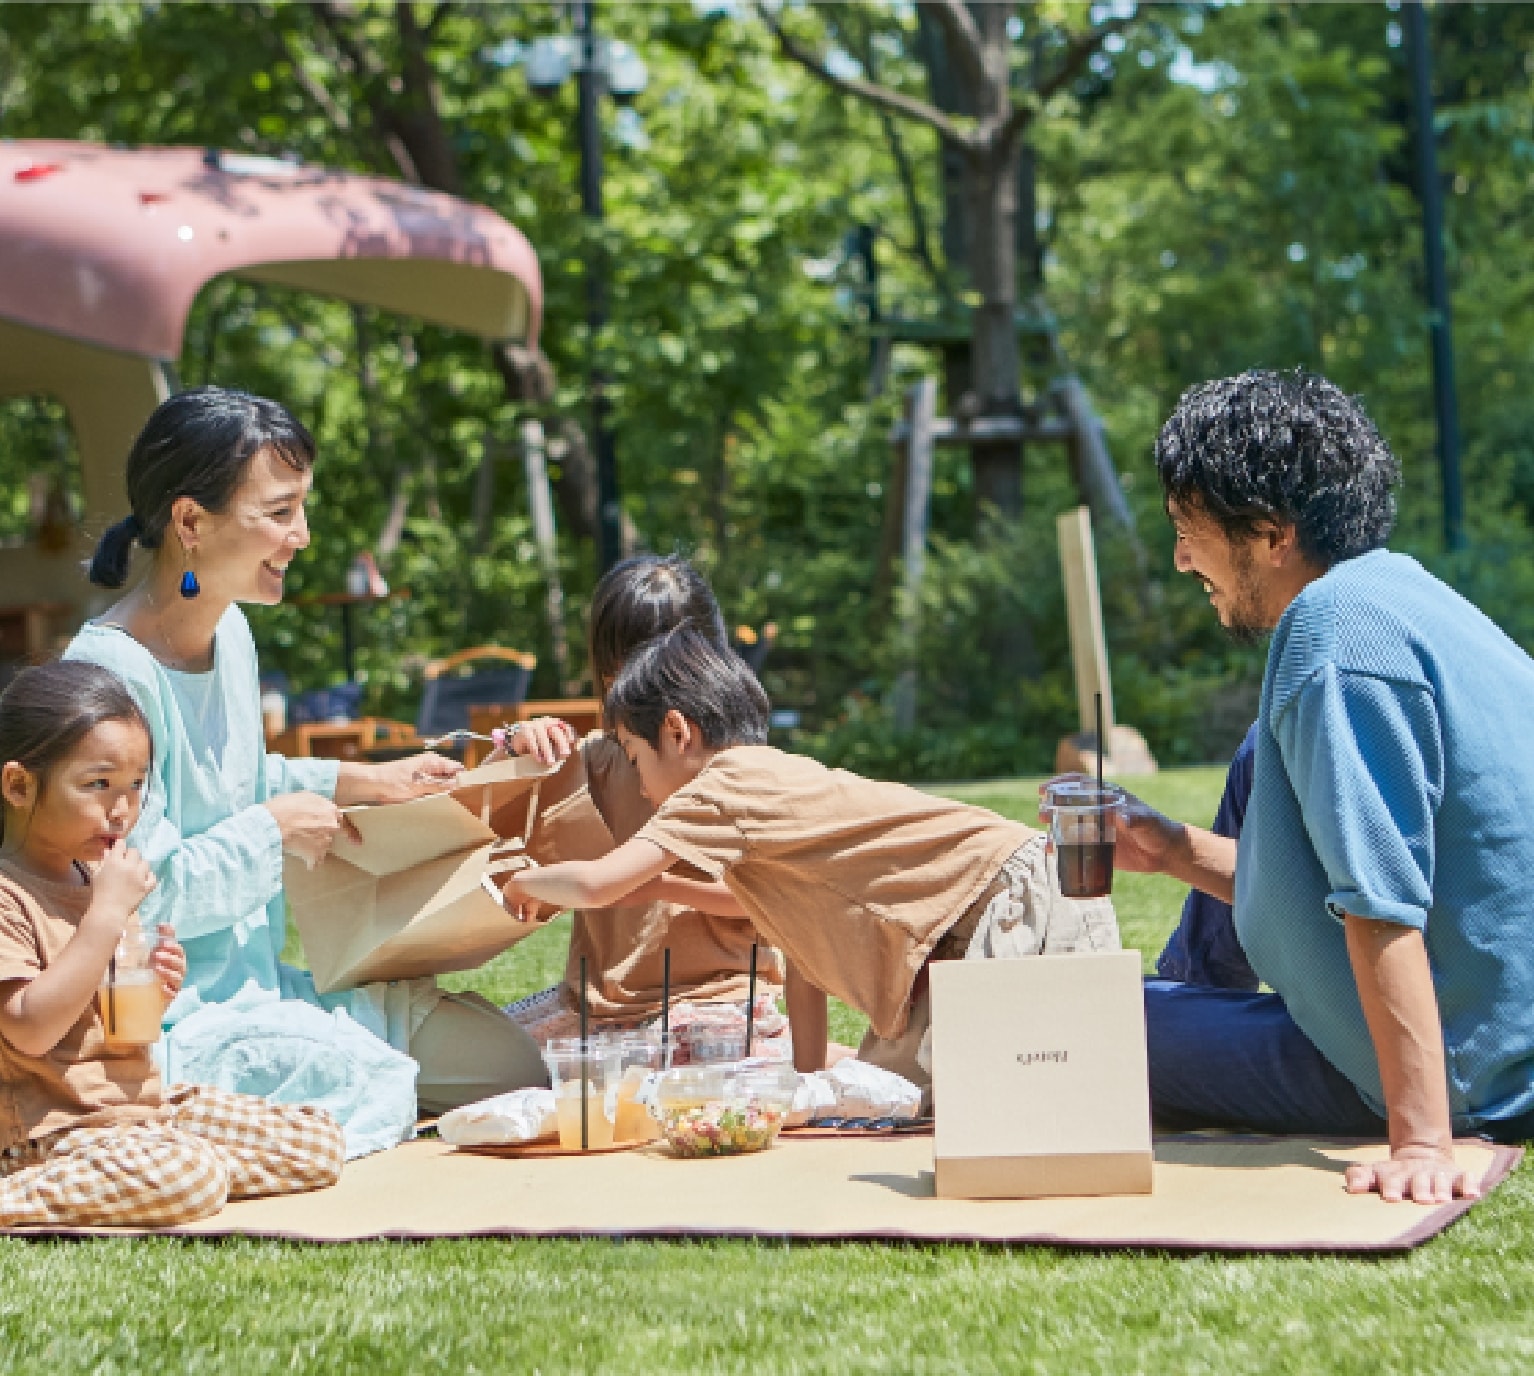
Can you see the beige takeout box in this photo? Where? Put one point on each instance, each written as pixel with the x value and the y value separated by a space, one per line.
pixel 408 899
pixel 1039 1077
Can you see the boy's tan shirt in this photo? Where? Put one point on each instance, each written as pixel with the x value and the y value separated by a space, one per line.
pixel 854 881
pixel 79 1083
pixel 595 803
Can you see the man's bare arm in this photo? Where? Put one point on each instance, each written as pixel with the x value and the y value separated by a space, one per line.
pixel 1395 986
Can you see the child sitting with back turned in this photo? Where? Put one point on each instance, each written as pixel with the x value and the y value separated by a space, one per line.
pixel 87 1137
pixel 859 883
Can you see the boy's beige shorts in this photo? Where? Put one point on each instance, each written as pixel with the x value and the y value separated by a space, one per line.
pixel 1026 916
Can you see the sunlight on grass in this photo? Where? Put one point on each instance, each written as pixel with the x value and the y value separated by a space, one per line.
pixel 508 1306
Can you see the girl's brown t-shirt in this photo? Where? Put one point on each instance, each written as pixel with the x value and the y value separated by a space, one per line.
pixel 854 881
pixel 79 1083
pixel 596 805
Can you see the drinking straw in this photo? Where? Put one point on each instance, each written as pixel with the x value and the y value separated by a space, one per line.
pixel 751 1001
pixel 585 1055
pixel 665 1007
pixel 112 996
pixel 1099 700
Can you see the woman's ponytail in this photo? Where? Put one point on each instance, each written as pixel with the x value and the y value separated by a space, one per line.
pixel 109 564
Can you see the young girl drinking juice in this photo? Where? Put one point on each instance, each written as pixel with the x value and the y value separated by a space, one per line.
pixel 87 1135
pixel 593 804
pixel 859 883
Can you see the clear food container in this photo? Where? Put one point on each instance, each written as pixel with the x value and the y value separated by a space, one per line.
pixel 724 1110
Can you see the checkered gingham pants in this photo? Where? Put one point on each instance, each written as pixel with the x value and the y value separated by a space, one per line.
pixel 204 1147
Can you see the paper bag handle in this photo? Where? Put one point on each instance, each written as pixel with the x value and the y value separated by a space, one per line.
pixel 498 864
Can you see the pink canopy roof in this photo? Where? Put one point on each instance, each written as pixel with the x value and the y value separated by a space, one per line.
pixel 110 246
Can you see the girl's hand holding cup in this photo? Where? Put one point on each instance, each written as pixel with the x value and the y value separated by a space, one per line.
pixel 168 961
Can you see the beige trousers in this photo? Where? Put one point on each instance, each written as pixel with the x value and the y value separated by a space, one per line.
pixel 469 1050
pixel 204 1147
pixel 1028 917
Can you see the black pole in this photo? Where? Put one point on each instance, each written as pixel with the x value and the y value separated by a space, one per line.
pixel 589 86
pixel 1431 195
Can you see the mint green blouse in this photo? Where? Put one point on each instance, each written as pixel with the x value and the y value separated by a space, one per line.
pixel 216 850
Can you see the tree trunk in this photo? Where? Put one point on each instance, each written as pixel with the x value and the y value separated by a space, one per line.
pixel 993 337
pixel 406 115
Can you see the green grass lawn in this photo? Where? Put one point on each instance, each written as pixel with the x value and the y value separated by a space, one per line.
pixel 1461 1303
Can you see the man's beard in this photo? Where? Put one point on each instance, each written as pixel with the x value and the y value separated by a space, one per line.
pixel 1246 622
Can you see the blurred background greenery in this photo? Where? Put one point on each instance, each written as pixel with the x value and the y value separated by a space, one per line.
pixel 1222 186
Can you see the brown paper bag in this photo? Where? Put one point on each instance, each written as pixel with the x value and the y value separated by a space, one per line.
pixel 407 900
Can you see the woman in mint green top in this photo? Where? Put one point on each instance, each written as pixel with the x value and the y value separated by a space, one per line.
pixel 217 483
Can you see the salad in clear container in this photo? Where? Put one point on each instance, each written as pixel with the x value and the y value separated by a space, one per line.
pixel 723 1110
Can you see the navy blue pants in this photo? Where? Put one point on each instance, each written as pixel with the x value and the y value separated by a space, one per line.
pixel 1233 1059
pixel 1222 1054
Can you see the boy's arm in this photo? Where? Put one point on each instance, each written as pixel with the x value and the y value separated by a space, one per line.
pixel 702 895
pixel 590 883
pixel 808 1021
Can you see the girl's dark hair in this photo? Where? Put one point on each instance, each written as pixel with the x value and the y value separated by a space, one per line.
pixel 197 444
pixel 1286 448
pixel 642 598
pixel 47 711
pixel 709 684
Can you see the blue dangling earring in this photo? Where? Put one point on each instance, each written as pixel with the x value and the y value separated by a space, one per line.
pixel 190 587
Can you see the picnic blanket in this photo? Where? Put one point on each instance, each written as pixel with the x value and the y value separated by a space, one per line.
pixel 1221 1193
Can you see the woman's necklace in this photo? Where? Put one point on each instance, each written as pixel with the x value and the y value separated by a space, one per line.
pixel 159 643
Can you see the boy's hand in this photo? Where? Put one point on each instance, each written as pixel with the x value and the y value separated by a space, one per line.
pixel 520 904
pixel 168 961
pixel 121 882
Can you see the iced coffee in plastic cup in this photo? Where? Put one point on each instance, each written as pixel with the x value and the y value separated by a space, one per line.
pixel 1081 829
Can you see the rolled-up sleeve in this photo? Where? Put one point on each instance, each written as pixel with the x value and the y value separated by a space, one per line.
pixel 1365 758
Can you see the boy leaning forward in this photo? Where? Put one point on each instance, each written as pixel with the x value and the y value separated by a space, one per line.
pixel 860 884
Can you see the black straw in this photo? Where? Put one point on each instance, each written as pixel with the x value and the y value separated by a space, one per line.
pixel 751 1002
pixel 112 996
pixel 665 1008
pixel 585 1056
pixel 1099 698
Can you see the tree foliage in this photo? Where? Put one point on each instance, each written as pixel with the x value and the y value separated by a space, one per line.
pixel 1218 187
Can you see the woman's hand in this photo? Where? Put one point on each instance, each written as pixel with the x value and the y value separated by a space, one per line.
pixel 309 824
pixel 399 781
pixel 1424 1175
pixel 547 739
pixel 168 961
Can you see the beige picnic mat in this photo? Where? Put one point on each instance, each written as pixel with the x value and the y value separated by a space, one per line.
pixel 1223 1193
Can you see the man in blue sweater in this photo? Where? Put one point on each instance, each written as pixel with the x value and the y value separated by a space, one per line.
pixel 1381 881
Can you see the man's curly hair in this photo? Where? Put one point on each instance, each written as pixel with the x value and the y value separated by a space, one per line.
pixel 1281 447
